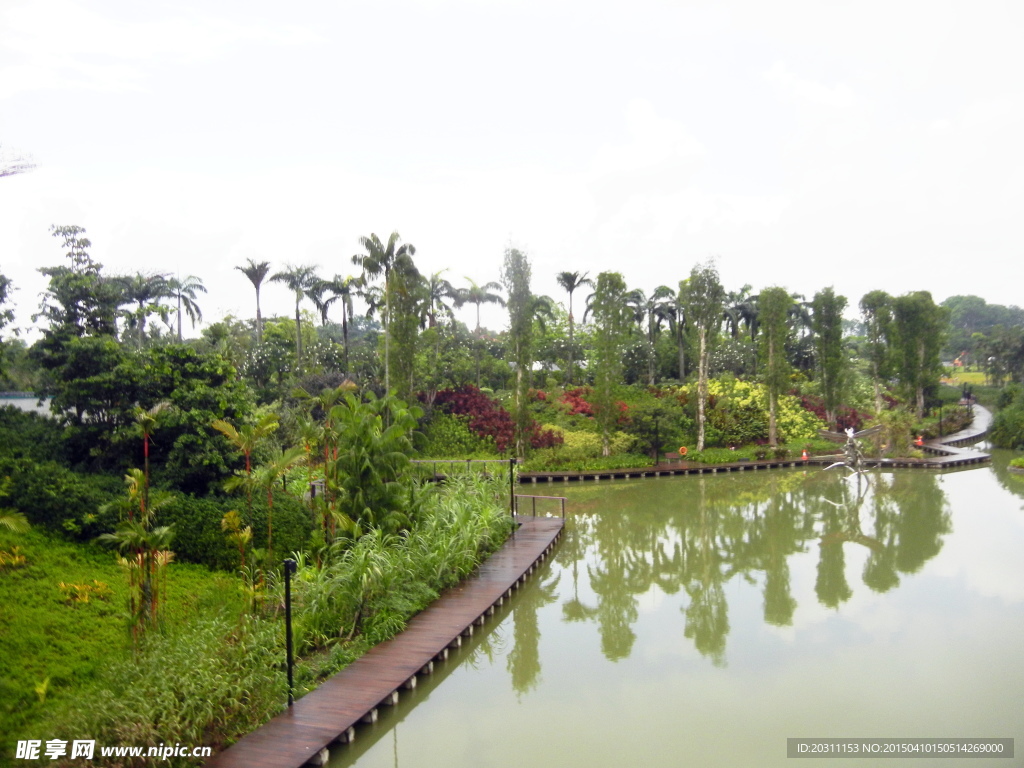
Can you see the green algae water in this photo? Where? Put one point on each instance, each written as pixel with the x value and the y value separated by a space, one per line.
pixel 704 620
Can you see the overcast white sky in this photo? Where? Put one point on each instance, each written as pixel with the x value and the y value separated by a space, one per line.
pixel 862 145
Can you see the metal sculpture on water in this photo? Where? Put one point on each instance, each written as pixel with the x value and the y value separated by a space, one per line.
pixel 853 455
pixel 853 460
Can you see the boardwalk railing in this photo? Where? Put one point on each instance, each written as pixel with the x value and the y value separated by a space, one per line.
pixel 331 713
pixel 454 464
pixel 519 496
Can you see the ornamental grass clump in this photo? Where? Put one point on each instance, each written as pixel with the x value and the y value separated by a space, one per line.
pixel 365 590
pixel 202 684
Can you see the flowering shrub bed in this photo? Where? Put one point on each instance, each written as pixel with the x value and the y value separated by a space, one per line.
pixel 738 413
pixel 846 417
pixel 576 403
pixel 487 419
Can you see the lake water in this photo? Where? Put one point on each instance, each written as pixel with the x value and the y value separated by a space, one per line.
pixel 704 620
pixel 30 403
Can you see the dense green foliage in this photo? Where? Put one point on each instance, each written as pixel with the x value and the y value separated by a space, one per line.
pixel 61 639
pixel 608 309
pixel 831 357
pixel 516 279
pixel 704 297
pixel 214 679
pixel 275 436
pixel 1008 424
pixel 775 305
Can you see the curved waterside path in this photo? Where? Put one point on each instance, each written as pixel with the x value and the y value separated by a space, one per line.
pixel 305 731
pixel 944 453
pixel 330 714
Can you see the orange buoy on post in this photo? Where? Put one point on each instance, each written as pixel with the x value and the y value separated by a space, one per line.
pixel 919 442
pixel 682 450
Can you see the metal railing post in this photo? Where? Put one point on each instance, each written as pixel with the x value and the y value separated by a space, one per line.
pixel 512 486
pixel 289 568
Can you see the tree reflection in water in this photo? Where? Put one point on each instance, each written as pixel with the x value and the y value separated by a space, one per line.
pixel 695 534
pixel 524 658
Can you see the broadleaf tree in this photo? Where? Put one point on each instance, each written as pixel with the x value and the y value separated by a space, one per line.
pixel 831 360
pixel 515 276
pixel 704 298
pixel 774 305
pixel 612 318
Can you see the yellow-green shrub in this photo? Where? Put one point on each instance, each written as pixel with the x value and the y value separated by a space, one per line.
pixel 738 413
pixel 578 444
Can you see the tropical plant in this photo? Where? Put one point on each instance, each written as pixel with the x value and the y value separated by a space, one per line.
pixel 608 306
pixel 774 305
pixel 570 281
pixel 478 295
pixel 703 299
pixel 266 477
pixel 876 315
pixel 146 291
pixel 245 440
pixel 367 476
pixel 183 291
pixel 436 293
pixel 324 293
pixel 298 279
pixel 919 328
pixel 381 259
pixel 146 422
pixel 649 312
pixel 257 272
pixel 831 357
pixel 146 550
pixel 521 309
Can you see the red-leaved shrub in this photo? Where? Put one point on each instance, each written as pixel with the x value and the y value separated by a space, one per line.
pixel 488 418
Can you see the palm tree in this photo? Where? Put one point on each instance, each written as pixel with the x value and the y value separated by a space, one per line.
pixel 479 294
pixel 145 291
pixel 742 309
pixel 299 280
pixel 323 293
pixel 650 312
pixel 148 545
pixel 146 422
pixel 675 304
pixel 185 293
pixel 570 281
pixel 14 521
pixel 257 273
pixel 435 291
pixel 266 477
pixel 245 440
pixel 383 259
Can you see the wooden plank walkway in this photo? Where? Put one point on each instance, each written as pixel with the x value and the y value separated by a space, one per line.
pixel 944 454
pixel 330 713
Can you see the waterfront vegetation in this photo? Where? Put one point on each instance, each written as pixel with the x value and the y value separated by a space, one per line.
pixel 143 525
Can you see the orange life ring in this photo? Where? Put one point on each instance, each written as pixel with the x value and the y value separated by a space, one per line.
pixel 682 451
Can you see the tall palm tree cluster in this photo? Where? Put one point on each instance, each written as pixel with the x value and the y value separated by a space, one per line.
pixel 403 300
pixel 140 296
pixel 392 289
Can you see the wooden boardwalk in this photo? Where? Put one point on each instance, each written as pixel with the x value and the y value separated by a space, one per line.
pixel 330 713
pixel 943 453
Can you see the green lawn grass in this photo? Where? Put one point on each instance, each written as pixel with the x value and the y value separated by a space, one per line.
pixel 51 643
